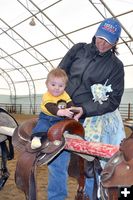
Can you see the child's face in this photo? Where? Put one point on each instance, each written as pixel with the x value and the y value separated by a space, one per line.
pixel 56 86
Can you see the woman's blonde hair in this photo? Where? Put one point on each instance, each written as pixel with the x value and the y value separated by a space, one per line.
pixel 59 73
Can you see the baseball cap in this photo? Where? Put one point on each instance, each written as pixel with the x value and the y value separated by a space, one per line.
pixel 110 30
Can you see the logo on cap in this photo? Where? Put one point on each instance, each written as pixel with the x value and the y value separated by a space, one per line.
pixel 109 27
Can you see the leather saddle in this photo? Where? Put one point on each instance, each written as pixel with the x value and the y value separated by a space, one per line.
pixel 51 146
pixel 6 147
pixel 118 172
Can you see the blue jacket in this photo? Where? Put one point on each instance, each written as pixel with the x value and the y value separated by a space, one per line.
pixel 86 66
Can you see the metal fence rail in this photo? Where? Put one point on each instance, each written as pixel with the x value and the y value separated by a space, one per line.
pixel 11 108
pixel 126 110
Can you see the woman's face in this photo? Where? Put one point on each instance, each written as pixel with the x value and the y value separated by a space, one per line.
pixel 102 45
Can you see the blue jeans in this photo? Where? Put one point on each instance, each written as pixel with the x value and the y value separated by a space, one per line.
pixel 58 176
pixel 44 123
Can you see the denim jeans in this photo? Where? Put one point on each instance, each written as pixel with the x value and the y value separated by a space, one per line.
pixel 44 123
pixel 58 176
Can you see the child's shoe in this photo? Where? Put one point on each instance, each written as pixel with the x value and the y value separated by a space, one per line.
pixel 36 143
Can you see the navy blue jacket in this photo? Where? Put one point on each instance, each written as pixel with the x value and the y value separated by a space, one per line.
pixel 86 66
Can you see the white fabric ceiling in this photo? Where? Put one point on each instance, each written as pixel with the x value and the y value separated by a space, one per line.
pixel 28 52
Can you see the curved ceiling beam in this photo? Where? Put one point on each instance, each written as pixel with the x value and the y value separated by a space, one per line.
pixel 41 11
pixel 55 25
pixel 10 84
pixel 25 77
pixel 23 39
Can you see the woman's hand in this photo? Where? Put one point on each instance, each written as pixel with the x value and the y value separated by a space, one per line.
pixel 78 112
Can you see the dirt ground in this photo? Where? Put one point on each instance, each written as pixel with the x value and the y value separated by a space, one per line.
pixel 11 192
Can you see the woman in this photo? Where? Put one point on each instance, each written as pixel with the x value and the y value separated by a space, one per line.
pixel 88 65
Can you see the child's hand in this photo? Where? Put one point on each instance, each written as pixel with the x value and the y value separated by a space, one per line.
pixel 65 113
